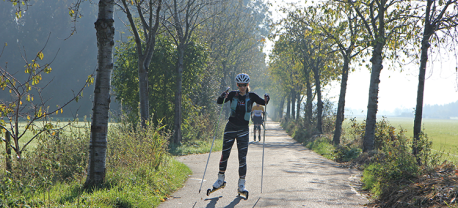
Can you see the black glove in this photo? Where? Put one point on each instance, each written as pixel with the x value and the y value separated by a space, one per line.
pixel 266 98
pixel 223 95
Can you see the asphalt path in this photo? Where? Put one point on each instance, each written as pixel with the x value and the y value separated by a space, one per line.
pixel 294 176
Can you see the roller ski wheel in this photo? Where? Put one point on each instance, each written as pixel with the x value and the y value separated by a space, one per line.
pixel 243 194
pixel 209 191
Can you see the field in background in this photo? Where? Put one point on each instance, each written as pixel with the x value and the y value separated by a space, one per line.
pixel 28 135
pixel 442 132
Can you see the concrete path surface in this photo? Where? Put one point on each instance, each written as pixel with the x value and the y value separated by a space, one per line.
pixel 294 176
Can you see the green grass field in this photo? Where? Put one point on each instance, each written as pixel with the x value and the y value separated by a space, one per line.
pixel 443 133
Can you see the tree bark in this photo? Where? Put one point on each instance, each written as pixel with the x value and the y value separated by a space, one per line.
pixel 178 94
pixel 293 103
pixel 371 119
pixel 288 107
pixel 341 105
pixel 98 145
pixel 427 32
pixel 298 104
pixel 8 162
pixel 319 123
pixel 309 106
pixel 143 91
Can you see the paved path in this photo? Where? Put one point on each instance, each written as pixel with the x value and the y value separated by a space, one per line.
pixel 293 177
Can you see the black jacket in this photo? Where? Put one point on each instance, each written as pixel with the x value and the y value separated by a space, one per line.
pixel 238 119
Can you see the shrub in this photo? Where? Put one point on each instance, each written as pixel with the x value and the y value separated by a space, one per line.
pixel 137 161
pixel 322 146
pixel 60 155
pixel 393 164
pixel 130 147
pixel 345 153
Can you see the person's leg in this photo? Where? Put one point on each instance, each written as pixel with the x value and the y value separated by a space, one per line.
pixel 229 136
pixel 228 142
pixel 255 127
pixel 242 146
pixel 259 133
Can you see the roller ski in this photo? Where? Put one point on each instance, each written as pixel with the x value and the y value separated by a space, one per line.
pixel 242 191
pixel 219 184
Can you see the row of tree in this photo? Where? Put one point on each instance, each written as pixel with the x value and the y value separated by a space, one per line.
pixel 201 46
pixel 179 56
pixel 322 41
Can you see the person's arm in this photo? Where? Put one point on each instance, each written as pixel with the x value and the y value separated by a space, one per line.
pixel 224 97
pixel 257 99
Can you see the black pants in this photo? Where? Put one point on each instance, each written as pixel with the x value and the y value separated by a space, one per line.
pixel 232 132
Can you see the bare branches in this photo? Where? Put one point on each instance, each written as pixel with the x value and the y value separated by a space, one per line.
pixel 22 105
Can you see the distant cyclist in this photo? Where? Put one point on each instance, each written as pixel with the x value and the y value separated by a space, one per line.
pixel 257 116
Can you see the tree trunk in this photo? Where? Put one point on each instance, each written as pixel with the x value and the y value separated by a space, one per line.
pixel 8 161
pixel 427 32
pixel 319 123
pixel 371 119
pixel 309 106
pixel 143 90
pixel 144 57
pixel 98 145
pixel 341 105
pixel 298 105
pixel 288 108
pixel 293 103
pixel 178 94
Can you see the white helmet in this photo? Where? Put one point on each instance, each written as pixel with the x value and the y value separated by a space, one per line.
pixel 242 78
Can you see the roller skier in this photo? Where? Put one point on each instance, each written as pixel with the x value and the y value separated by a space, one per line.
pixel 237 128
pixel 257 116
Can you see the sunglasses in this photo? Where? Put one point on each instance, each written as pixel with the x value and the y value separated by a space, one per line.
pixel 241 85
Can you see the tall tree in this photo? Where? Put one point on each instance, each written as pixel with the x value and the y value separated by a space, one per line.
pixel 235 35
pixel 281 66
pixel 384 23
pixel 439 15
pixel 296 34
pixel 145 43
pixel 341 26
pixel 183 18
pixel 314 52
pixel 98 144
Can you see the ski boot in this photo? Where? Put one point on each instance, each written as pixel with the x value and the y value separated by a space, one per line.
pixel 219 184
pixel 242 189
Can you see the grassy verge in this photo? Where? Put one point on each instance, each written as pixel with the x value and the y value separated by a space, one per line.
pixel 143 187
pixel 140 171
pixel 394 176
pixel 196 147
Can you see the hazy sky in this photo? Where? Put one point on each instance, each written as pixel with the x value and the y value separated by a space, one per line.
pixel 399 89
pixel 396 89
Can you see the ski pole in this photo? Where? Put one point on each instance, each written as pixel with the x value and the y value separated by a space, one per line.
pixel 263 144
pixel 216 130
